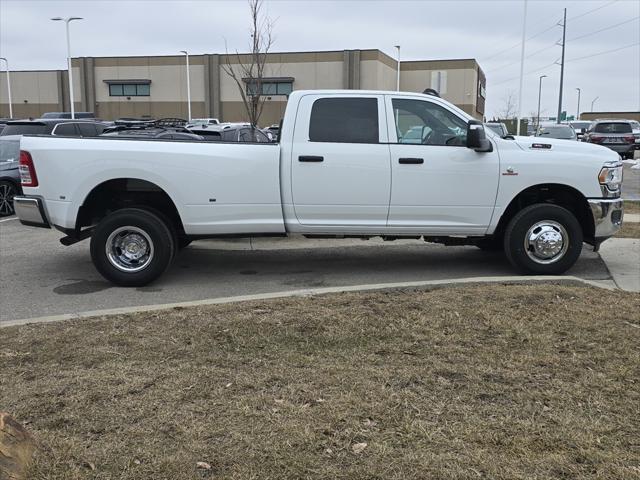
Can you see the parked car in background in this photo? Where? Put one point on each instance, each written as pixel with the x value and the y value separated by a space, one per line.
pixel 9 173
pixel 133 121
pixel 580 126
pixel 202 121
pixel 67 115
pixel 614 134
pixel 559 131
pixel 635 127
pixel 58 127
pixel 152 132
pixel 231 132
pixel 498 127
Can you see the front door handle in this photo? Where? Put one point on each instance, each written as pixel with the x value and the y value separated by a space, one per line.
pixel 411 161
pixel 310 158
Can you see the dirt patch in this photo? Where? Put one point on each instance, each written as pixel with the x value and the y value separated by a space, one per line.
pixel 491 381
pixel 629 230
pixel 631 206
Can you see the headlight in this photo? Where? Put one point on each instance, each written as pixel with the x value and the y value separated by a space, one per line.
pixel 611 176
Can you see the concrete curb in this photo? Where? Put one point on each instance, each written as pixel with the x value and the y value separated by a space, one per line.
pixel 608 285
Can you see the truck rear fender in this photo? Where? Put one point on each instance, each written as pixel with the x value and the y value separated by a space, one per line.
pixel 119 193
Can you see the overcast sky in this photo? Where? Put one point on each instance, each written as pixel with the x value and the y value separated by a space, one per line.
pixel 489 31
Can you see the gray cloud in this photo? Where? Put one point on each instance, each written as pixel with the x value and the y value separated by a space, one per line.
pixel 486 30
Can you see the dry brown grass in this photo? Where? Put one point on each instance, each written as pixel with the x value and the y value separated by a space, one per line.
pixel 501 382
pixel 631 206
pixel 629 230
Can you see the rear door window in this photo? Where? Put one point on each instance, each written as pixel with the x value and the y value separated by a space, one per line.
pixel 65 130
pixel 87 129
pixel 344 120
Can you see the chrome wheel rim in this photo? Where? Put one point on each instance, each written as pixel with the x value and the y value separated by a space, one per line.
pixel 7 192
pixel 129 249
pixel 546 242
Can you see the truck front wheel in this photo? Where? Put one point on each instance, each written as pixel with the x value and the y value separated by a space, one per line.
pixel 132 247
pixel 543 239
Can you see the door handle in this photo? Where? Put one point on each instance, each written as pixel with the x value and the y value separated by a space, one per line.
pixel 411 161
pixel 310 158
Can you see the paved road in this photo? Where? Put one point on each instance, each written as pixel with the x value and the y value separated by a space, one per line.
pixel 38 276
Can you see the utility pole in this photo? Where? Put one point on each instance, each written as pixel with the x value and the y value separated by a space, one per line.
pixel 564 37
pixel 578 109
pixel 524 29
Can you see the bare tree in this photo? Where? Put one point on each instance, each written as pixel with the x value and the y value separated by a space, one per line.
pixel 247 70
pixel 509 106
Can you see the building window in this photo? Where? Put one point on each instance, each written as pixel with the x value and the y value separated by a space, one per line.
pixel 270 86
pixel 129 89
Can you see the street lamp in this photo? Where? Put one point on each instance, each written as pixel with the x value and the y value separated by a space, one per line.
pixel 592 102
pixel 398 75
pixel 67 21
pixel 186 54
pixel 578 110
pixel 8 86
pixel 539 96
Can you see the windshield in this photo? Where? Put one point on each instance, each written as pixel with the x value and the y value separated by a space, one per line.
pixel 25 129
pixel 560 131
pixel 611 127
pixel 9 150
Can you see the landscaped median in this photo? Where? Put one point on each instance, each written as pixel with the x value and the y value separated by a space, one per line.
pixel 474 381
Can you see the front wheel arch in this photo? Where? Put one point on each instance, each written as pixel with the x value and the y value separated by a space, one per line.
pixel 552 193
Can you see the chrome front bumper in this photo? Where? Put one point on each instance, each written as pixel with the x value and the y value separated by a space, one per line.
pixel 607 216
pixel 30 211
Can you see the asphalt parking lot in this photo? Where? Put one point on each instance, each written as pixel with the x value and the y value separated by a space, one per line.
pixel 39 276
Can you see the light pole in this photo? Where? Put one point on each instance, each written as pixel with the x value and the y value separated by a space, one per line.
pixel 539 96
pixel 524 30
pixel 578 110
pixel 592 102
pixel 8 86
pixel 186 54
pixel 67 21
pixel 398 75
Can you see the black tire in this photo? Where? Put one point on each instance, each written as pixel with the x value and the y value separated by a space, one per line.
pixel 147 227
pixel 558 219
pixel 8 190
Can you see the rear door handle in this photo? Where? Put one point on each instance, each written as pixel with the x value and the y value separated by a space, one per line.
pixel 310 158
pixel 411 161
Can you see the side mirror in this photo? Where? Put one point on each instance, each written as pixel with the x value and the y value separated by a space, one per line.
pixel 476 137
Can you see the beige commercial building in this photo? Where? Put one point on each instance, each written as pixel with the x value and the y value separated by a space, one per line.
pixel 155 86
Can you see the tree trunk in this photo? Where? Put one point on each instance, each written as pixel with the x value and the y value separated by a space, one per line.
pixel 16 448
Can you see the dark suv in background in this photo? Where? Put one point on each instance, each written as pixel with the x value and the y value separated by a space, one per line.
pixel 9 174
pixel 614 134
pixel 58 127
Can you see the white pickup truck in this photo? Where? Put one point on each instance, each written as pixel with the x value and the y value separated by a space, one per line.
pixel 347 164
